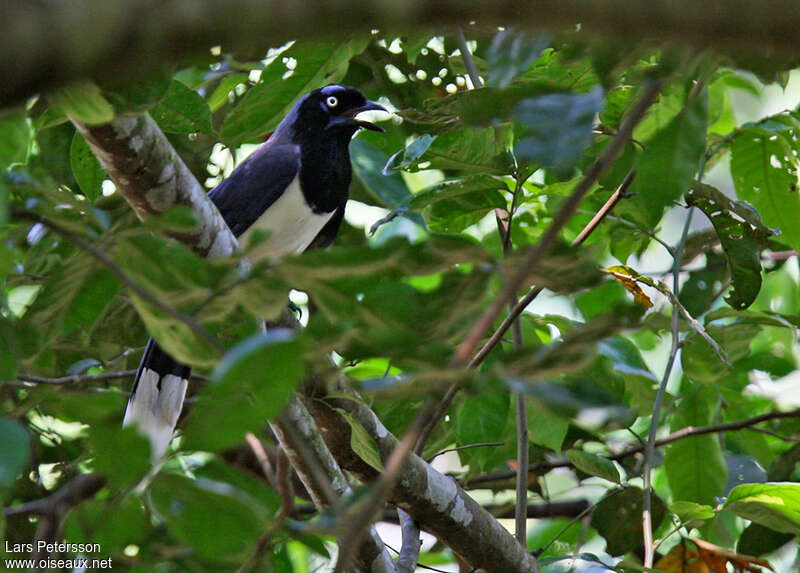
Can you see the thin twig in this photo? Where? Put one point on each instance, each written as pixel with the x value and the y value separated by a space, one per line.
pixel 466 447
pixel 189 321
pixel 681 434
pixel 76 378
pixel 71 494
pixel 469 63
pixel 262 458
pixel 515 311
pixel 647 523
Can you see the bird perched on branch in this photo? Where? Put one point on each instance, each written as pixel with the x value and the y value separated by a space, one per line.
pixel 295 186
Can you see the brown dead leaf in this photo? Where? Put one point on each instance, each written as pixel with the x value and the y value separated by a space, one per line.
pixel 708 558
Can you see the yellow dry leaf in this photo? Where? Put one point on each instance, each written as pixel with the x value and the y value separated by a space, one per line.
pixel 624 277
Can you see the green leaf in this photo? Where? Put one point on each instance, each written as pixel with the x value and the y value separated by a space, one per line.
pixel 362 443
pixel 640 382
pixel 695 467
pixel 268 102
pixel 773 505
pixel 699 361
pixel 217 520
pixel 220 95
pixel 670 160
pixel 15 139
pixel 452 206
pixel 107 442
pixel 618 518
pixel 764 168
pixel 250 386
pixel 741 233
pixel 111 523
pixel 594 465
pixel 558 128
pixel 82 101
pixel 758 540
pixel 481 418
pixel 15 455
pixel 136 97
pixel 86 168
pixel 388 189
pixel 182 111
pixel 691 512
pixel 510 54
pixel 470 150
pixel 410 155
pixel 545 428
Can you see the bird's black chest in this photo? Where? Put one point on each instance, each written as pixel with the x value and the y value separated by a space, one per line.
pixel 325 174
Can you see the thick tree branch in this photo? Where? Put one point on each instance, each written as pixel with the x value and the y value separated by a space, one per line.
pixel 434 500
pixel 82 487
pixel 152 177
pixel 49 43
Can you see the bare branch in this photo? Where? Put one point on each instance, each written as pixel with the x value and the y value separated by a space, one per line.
pixel 409 551
pixel 83 487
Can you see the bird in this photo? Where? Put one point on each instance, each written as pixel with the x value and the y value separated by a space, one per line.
pixel 294 186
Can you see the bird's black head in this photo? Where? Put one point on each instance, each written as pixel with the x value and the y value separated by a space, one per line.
pixel 330 112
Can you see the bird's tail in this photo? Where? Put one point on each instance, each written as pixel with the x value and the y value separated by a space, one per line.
pixel 157 398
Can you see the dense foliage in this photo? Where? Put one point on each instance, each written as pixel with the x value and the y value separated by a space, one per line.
pixel 696 262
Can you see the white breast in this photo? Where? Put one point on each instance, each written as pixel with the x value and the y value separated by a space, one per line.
pixel 291 223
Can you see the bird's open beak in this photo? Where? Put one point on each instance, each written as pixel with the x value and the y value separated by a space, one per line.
pixel 349 117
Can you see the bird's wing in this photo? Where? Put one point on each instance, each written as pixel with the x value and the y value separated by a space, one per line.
pixel 256 184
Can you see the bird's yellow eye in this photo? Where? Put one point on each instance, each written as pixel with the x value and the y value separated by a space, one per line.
pixel 332 101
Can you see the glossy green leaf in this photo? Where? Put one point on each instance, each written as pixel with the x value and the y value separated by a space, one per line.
pixel 86 168
pixel 182 110
pixel 16 452
pixel 250 386
pixel 742 235
pixel 764 168
pixel 689 511
pixel 363 444
pixel 773 505
pixel 594 465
